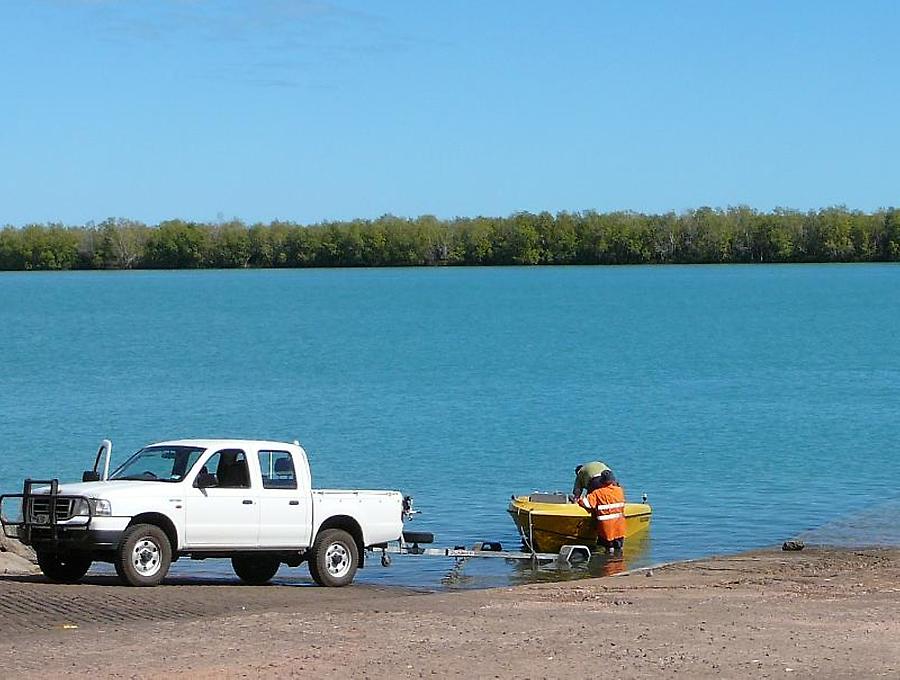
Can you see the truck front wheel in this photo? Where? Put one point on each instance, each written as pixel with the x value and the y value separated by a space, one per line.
pixel 144 556
pixel 335 558
pixel 255 570
pixel 63 568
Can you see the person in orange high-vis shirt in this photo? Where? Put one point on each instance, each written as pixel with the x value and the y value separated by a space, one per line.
pixel 607 505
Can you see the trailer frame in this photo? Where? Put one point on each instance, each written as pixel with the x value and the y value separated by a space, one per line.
pixel 568 555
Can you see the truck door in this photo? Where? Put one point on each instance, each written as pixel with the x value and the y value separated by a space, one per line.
pixel 227 513
pixel 285 502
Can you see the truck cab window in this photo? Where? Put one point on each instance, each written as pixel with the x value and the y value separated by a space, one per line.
pixel 277 469
pixel 158 463
pixel 230 469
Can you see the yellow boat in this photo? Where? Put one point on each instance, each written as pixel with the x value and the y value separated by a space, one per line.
pixel 549 521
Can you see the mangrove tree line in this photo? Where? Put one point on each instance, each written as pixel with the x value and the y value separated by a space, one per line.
pixel 705 235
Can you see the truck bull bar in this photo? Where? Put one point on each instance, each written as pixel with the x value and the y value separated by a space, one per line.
pixel 44 511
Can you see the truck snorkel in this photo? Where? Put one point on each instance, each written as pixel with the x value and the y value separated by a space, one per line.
pixel 94 475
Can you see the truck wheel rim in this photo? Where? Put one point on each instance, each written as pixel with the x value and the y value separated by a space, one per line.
pixel 146 557
pixel 337 560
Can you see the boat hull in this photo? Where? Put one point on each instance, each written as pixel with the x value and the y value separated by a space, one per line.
pixel 549 526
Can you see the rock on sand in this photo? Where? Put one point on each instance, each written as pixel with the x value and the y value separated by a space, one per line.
pixel 15 558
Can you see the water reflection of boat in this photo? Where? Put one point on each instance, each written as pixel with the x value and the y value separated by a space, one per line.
pixel 635 554
pixel 547 522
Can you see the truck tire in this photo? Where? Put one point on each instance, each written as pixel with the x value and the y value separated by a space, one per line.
pixel 63 568
pixel 144 555
pixel 334 558
pixel 255 570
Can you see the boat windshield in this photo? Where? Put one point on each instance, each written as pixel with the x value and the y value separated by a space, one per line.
pixel 159 464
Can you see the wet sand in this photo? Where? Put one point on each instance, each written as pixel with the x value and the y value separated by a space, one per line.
pixel 817 613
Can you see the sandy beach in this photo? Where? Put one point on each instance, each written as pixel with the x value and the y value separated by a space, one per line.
pixel 818 613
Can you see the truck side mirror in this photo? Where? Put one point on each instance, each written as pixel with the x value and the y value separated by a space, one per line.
pixel 205 480
pixel 90 476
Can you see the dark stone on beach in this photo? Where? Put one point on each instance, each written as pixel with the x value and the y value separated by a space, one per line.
pixel 793 545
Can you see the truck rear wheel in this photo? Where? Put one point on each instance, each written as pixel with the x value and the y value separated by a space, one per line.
pixel 255 570
pixel 144 556
pixel 335 558
pixel 63 568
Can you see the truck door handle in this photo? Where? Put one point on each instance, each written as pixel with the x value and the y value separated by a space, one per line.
pixel 247 502
pixel 293 502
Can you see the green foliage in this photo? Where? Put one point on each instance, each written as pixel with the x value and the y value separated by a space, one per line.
pixel 39 247
pixel 704 235
pixel 181 245
pixel 121 244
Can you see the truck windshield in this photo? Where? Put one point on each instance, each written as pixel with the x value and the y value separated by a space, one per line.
pixel 159 464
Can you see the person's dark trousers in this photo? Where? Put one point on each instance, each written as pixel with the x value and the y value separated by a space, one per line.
pixel 615 544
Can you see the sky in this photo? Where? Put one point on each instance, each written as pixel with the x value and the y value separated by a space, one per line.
pixel 321 110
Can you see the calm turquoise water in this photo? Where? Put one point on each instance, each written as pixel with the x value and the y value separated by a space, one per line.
pixel 751 404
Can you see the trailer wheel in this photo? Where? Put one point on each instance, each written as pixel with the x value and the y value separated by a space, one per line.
pixel 335 558
pixel 63 568
pixel 255 570
pixel 144 556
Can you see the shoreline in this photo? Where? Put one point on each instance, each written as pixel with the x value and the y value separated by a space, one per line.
pixel 448 267
pixel 820 612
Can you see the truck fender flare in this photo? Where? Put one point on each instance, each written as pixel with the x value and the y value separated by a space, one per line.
pixel 163 522
pixel 352 527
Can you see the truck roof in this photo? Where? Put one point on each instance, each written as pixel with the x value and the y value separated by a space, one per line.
pixel 224 443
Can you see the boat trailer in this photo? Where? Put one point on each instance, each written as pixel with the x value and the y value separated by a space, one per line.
pixel 568 555
pixel 409 544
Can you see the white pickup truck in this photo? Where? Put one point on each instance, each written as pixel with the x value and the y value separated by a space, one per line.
pixel 251 501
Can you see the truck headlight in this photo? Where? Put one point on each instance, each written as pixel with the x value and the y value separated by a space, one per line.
pixel 101 507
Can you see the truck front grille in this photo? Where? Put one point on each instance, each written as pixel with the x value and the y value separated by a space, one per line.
pixel 40 510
